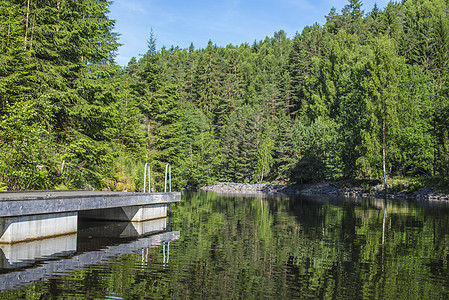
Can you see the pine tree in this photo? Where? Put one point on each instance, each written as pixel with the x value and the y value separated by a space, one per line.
pixel 232 94
pixel 306 46
pixel 352 14
pixel 201 155
pixel 152 70
pixel 15 62
pixel 25 142
pixel 208 81
pixel 166 131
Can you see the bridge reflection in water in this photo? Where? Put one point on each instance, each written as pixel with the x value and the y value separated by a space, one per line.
pixel 25 263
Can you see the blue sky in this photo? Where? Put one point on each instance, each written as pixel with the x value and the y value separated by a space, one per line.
pixel 180 23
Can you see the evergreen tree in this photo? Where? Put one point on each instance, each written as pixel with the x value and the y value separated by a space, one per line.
pixel 152 69
pixel 288 150
pixel 240 142
pixel 26 161
pixel 201 155
pixel 232 94
pixel 306 46
pixel 207 82
pixel 352 14
pixel 165 134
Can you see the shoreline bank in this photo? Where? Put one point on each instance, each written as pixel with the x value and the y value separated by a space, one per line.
pixel 326 188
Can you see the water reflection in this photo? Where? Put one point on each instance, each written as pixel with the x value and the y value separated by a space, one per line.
pixel 95 242
pixel 20 255
pixel 315 247
pixel 236 246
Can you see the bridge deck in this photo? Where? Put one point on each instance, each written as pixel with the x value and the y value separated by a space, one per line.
pixel 47 202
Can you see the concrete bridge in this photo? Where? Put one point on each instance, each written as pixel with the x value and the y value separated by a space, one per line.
pixel 27 216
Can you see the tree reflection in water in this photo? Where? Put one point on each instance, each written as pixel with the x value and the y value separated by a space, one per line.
pixel 280 247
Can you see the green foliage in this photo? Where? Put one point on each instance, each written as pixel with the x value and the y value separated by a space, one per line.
pixel 337 101
pixel 26 160
pixel 166 128
pixel 265 158
pixel 241 142
pixel 320 152
pixel 88 164
pixel 207 81
pixel 201 154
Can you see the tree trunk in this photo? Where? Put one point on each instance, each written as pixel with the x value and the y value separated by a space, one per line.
pixel 31 31
pixel 58 6
pixel 82 56
pixel 26 25
pixel 148 140
pixel 7 40
pixel 383 156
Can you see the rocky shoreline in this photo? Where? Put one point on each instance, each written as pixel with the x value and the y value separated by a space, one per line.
pixel 335 189
pixel 231 187
pixel 330 189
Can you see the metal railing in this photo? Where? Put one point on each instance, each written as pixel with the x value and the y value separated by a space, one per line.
pixel 147 168
pixel 166 257
pixel 169 169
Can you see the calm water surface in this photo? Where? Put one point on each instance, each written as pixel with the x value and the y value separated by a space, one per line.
pixel 248 247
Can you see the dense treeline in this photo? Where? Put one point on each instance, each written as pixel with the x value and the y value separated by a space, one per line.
pixel 363 96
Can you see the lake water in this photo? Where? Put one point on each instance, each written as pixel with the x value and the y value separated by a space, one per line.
pixel 249 247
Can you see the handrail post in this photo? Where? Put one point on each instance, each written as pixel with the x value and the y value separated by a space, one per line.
pixel 166 257
pixel 169 169
pixel 147 169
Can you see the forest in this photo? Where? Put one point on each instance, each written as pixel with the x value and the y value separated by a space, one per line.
pixel 364 96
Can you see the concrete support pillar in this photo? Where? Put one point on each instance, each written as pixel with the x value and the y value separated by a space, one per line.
pixel 144 213
pixel 121 229
pixel 129 213
pixel 27 228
